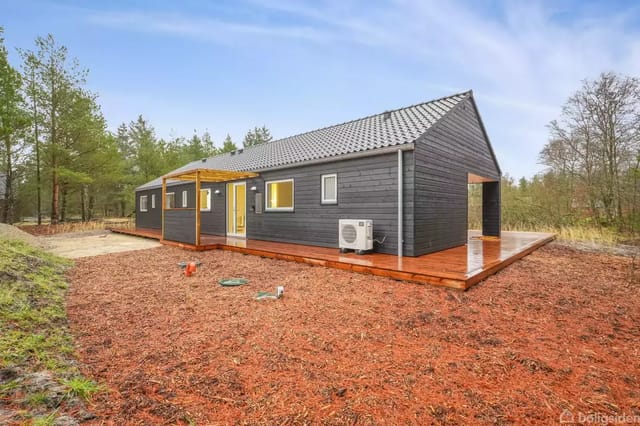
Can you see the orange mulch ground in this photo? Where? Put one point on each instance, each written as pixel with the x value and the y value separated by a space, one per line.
pixel 557 330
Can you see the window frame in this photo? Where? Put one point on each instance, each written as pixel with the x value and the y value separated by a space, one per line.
pixel 166 195
pixel 146 203
pixel 208 200
pixel 279 209
pixel 153 201
pixel 185 199
pixel 322 187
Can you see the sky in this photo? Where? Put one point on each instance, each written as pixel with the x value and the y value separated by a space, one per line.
pixel 295 66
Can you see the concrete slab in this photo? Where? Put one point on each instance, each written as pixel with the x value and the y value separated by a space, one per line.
pixel 94 243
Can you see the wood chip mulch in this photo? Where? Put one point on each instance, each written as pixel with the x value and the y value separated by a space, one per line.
pixel 559 329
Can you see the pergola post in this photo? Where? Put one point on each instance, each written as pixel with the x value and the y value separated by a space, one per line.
pixel 163 202
pixel 197 208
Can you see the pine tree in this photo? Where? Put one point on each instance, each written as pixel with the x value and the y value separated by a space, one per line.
pixel 228 145
pixel 257 136
pixel 13 122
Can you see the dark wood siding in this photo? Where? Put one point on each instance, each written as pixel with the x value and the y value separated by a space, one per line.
pixel 214 221
pixel 367 189
pixel 491 209
pixel 455 146
pixel 180 225
pixel 152 218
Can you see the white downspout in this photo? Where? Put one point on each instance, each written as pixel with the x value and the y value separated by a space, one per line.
pixel 400 204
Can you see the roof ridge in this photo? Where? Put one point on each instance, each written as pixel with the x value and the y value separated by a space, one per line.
pixel 374 115
pixel 467 92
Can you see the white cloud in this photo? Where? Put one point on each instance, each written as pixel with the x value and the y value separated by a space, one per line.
pixel 205 29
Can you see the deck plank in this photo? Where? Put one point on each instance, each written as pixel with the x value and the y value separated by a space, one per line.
pixel 459 267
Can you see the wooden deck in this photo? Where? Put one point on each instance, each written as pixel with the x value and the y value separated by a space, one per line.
pixel 459 267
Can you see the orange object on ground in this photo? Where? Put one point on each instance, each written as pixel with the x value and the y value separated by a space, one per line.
pixel 190 269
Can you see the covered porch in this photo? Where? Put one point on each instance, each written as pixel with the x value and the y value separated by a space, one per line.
pixel 459 267
pixel 183 224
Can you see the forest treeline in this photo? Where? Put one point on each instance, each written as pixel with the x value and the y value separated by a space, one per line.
pixel 60 161
pixel 592 159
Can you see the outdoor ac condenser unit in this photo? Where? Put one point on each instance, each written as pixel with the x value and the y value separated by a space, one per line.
pixel 355 234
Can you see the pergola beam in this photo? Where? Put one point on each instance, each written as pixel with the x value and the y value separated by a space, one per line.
pixel 209 175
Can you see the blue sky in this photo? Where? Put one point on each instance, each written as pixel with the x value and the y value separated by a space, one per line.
pixel 226 66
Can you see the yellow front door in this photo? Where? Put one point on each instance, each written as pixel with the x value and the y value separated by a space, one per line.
pixel 236 209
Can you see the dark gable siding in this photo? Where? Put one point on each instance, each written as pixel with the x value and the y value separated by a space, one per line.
pixel 367 189
pixel 454 147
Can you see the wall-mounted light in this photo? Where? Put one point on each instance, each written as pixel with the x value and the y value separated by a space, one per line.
pixel 253 188
pixel 217 192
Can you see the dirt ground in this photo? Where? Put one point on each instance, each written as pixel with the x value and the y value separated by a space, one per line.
pixel 557 330
pixel 93 243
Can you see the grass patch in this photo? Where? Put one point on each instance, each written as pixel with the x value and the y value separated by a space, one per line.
pixel 34 336
pixel 82 388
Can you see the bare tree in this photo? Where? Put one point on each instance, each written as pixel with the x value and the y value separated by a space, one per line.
pixel 596 141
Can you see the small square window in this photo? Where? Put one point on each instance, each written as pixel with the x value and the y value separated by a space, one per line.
pixel 143 203
pixel 170 200
pixel 329 189
pixel 184 199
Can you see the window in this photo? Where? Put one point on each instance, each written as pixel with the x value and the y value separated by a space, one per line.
pixel 279 195
pixel 170 201
pixel 329 189
pixel 143 203
pixel 153 201
pixel 205 200
pixel 184 198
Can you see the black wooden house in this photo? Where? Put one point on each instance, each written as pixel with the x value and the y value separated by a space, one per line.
pixel 406 169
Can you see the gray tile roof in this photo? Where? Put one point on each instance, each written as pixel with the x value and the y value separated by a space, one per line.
pixel 401 126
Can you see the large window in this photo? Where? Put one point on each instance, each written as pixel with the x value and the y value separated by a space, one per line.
pixel 153 201
pixel 170 201
pixel 205 200
pixel 184 198
pixel 329 189
pixel 143 203
pixel 279 195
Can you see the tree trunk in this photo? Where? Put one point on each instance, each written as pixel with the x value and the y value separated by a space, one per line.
pixel 63 203
pixel 83 205
pixel 8 184
pixel 92 202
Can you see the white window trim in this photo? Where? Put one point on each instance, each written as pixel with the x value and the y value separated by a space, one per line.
pixel 166 196
pixel 279 209
pixel 208 199
pixel 153 201
pixel 322 185
pixel 185 199
pixel 146 200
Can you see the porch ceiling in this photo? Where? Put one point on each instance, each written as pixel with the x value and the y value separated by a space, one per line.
pixel 210 175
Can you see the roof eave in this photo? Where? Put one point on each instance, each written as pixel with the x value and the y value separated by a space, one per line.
pixel 353 155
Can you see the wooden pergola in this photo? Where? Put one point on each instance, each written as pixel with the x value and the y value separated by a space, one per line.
pixel 198 176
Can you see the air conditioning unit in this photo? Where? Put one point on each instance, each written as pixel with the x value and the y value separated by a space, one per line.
pixel 355 234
